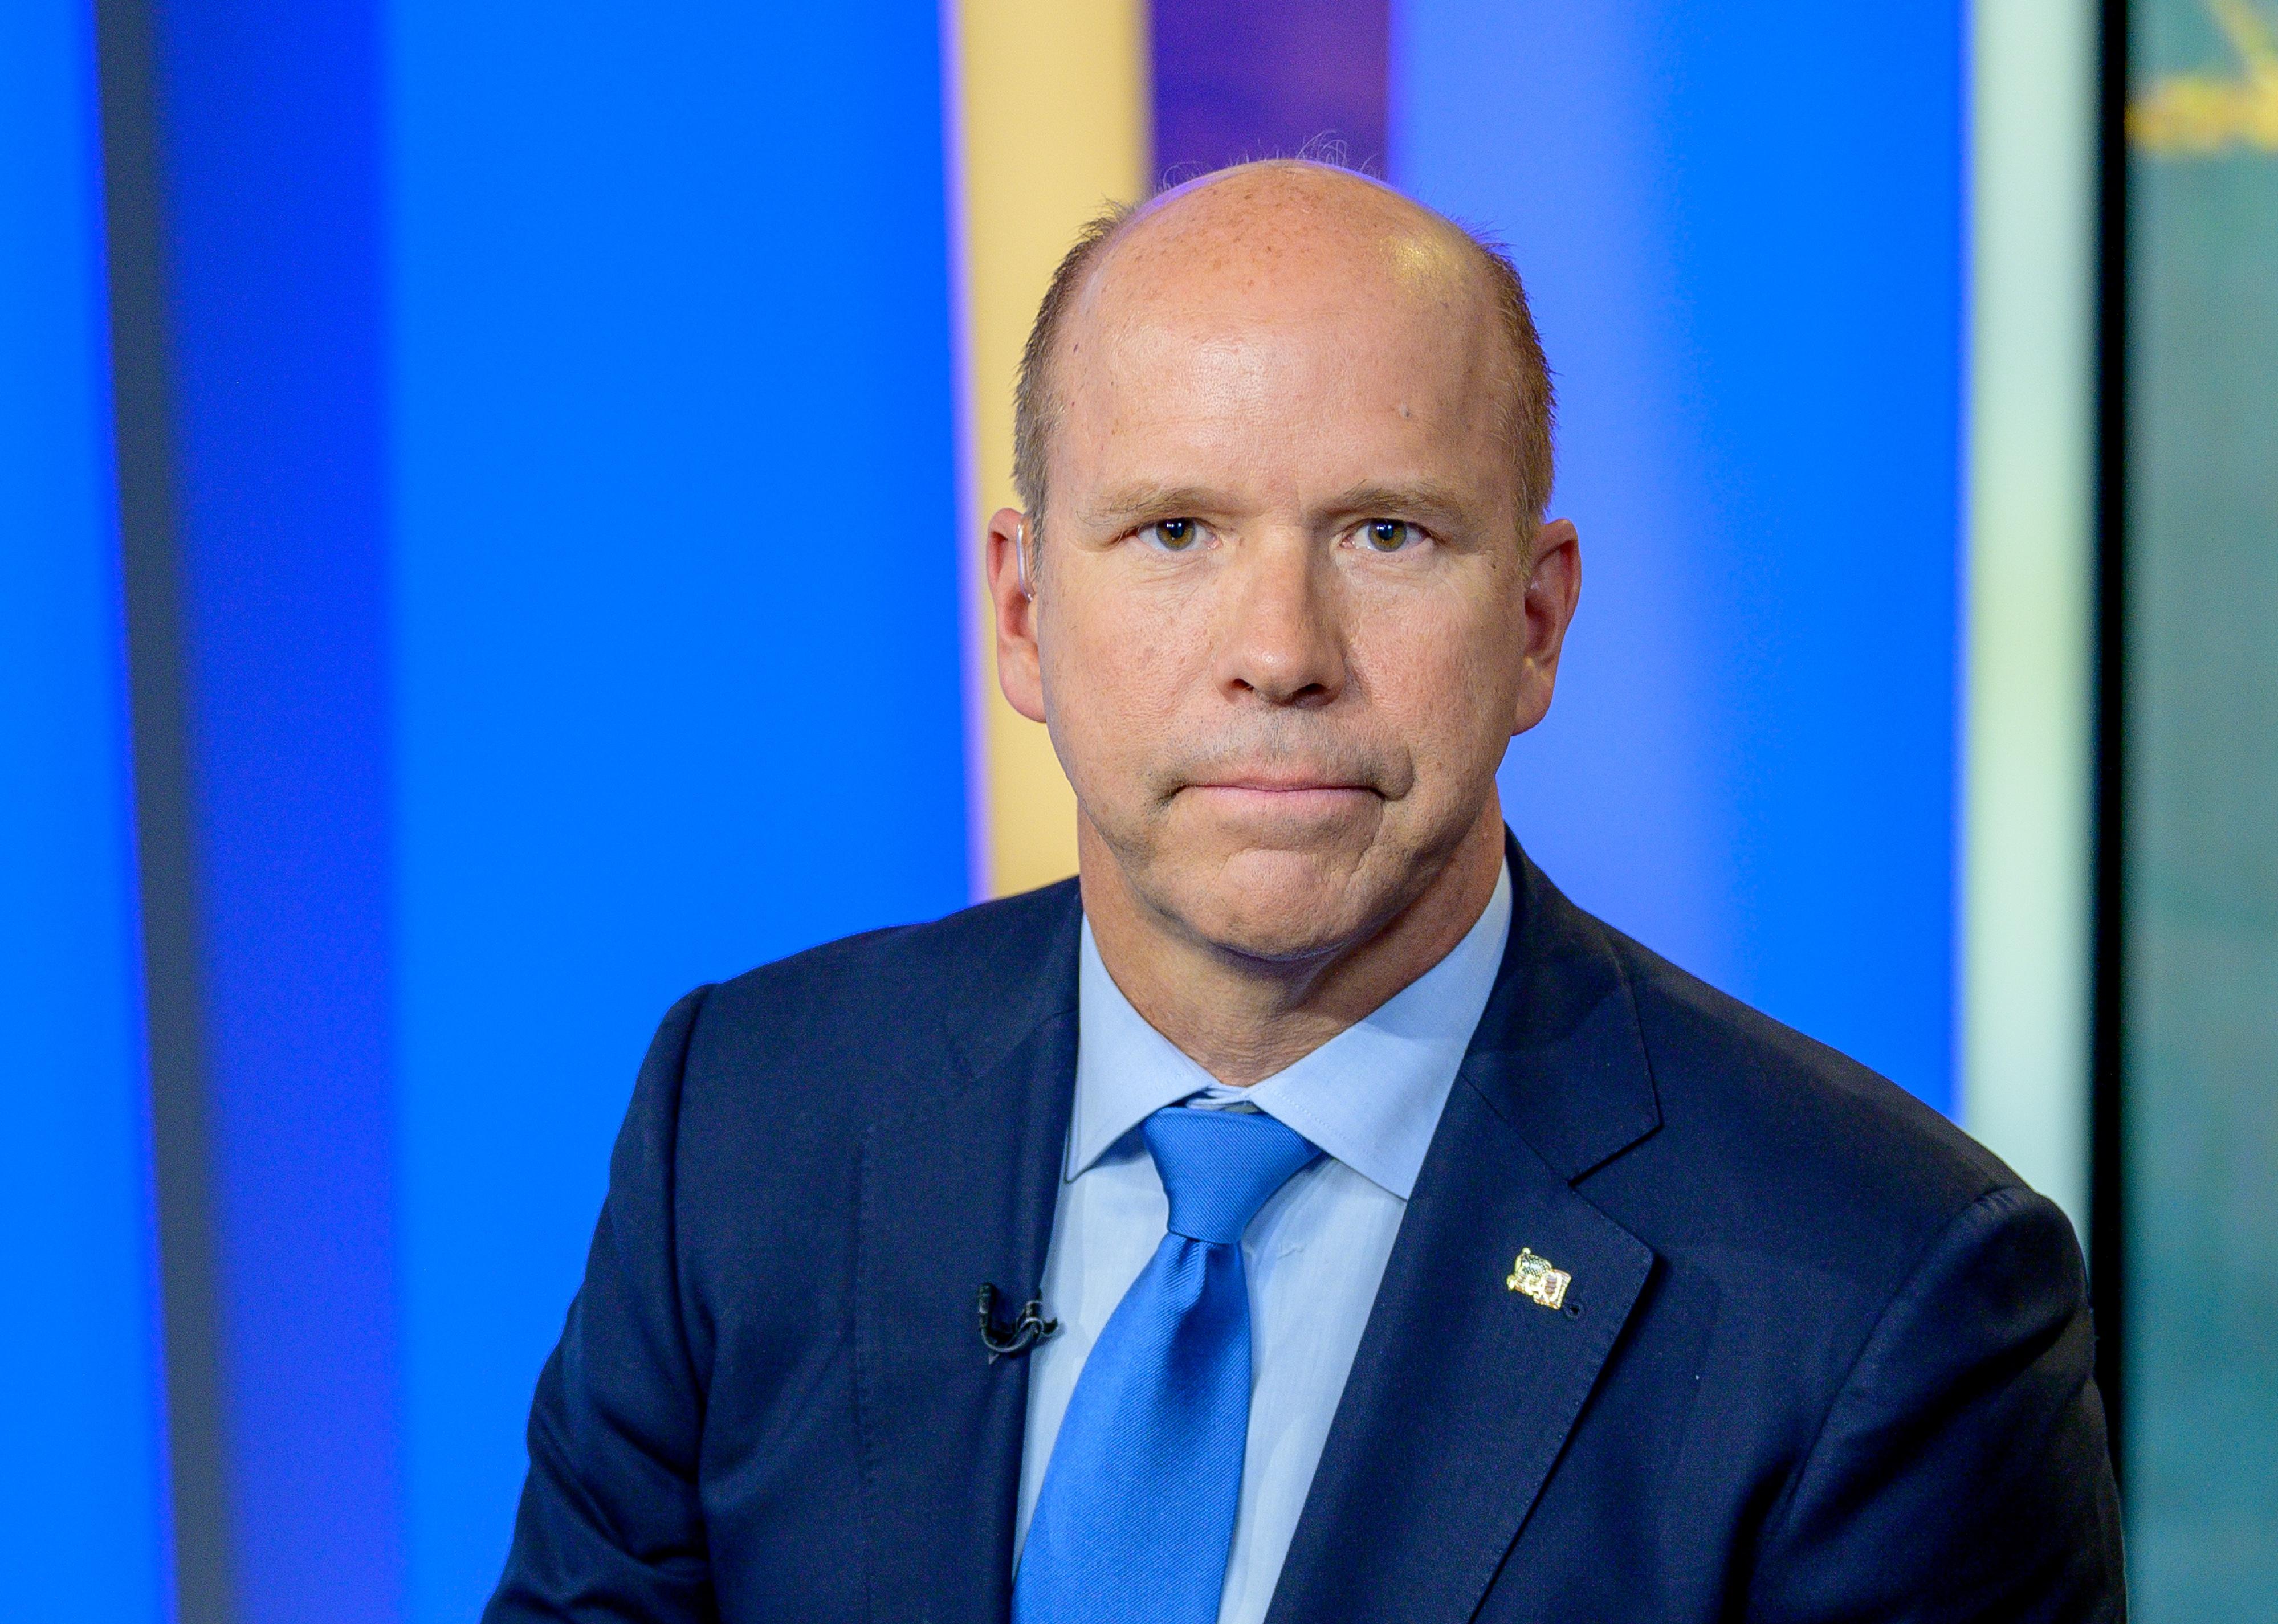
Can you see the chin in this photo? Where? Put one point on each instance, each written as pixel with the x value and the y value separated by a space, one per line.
pixel 1273 904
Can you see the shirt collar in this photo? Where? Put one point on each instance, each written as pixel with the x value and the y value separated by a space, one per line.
pixel 1370 1096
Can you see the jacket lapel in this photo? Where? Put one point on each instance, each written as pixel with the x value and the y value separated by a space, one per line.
pixel 1464 1390
pixel 958 1189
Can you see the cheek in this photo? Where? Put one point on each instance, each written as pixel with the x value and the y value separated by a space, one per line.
pixel 1449 679
pixel 1114 665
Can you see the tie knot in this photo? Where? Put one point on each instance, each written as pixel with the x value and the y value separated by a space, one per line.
pixel 1219 1167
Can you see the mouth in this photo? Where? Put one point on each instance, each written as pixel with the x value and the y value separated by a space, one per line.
pixel 1278 797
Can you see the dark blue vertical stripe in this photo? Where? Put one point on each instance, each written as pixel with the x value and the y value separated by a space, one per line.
pixel 269 117
pixel 1742 231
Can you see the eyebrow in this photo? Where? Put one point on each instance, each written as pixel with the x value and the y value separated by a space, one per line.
pixel 1140 504
pixel 1426 499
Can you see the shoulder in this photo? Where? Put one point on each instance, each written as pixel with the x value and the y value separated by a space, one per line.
pixel 885 987
pixel 1817 1229
pixel 885 1003
pixel 1777 1148
pixel 789 1062
pixel 760 1091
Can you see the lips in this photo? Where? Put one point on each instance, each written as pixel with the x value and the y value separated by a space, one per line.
pixel 1282 800
pixel 1279 786
pixel 1263 777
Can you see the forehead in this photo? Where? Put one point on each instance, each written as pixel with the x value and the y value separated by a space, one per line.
pixel 1304 320
pixel 1281 248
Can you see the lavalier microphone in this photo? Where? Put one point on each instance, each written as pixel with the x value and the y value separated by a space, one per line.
pixel 1026 1329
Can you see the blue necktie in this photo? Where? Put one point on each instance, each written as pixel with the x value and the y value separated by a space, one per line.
pixel 1137 1514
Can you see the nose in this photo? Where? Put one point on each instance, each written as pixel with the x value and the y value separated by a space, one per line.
pixel 1280 639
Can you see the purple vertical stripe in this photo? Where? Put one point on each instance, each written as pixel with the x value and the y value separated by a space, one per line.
pixel 1253 78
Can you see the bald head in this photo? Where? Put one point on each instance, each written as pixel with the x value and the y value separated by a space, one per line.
pixel 1279 243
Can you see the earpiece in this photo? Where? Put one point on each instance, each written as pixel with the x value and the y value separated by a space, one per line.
pixel 1021 548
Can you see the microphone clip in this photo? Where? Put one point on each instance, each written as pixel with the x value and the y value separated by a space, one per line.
pixel 1028 1327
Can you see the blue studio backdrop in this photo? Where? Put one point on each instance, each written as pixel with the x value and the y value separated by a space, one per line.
pixel 561 516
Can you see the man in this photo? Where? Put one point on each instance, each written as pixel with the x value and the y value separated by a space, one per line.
pixel 1397 1242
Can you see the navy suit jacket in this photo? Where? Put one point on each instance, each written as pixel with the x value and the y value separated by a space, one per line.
pixel 1822 1356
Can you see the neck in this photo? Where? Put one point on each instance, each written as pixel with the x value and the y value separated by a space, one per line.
pixel 1242 1018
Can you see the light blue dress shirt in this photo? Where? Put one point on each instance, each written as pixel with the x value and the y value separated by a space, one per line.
pixel 1371 1098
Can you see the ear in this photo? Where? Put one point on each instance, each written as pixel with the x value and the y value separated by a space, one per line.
pixel 1019 669
pixel 1554 587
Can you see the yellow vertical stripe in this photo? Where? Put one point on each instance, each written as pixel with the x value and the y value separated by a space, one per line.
pixel 1054 102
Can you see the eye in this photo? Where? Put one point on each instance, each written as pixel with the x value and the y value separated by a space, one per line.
pixel 1172 534
pixel 1389 534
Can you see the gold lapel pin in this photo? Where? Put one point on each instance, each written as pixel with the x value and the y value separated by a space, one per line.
pixel 1533 1278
